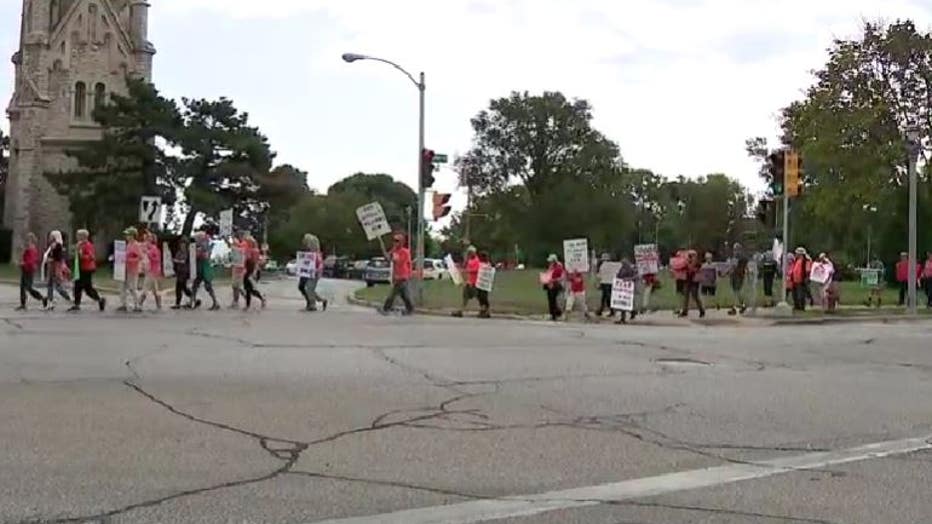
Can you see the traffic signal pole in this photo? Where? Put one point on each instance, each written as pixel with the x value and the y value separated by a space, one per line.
pixel 784 304
pixel 419 264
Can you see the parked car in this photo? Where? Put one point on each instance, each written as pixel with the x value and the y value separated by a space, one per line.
pixel 378 271
pixel 291 268
pixel 336 267
pixel 357 270
pixel 435 269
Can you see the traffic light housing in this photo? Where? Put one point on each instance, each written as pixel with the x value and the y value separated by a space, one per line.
pixel 427 168
pixel 767 213
pixel 794 173
pixel 777 169
pixel 441 205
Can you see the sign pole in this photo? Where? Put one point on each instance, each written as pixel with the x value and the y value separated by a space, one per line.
pixel 784 306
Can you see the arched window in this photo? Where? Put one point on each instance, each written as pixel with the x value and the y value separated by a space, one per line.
pixel 29 17
pixel 100 95
pixel 80 100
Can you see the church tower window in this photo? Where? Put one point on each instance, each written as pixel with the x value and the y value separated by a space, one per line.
pixel 100 95
pixel 80 100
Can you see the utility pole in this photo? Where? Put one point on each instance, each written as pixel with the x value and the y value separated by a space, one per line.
pixel 914 145
pixel 422 87
pixel 408 211
pixel 468 175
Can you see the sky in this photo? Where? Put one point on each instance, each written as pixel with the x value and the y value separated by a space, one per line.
pixel 678 84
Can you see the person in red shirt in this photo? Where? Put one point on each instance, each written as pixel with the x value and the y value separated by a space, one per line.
pixel 798 278
pixel 153 269
pixel 400 257
pixel 134 256
pixel 927 278
pixel 253 258
pixel 471 270
pixel 87 263
pixel 577 295
pixel 902 276
pixel 691 283
pixel 553 285
pixel 28 265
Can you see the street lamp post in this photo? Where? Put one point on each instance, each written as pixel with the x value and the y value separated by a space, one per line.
pixel 914 145
pixel 421 87
pixel 870 230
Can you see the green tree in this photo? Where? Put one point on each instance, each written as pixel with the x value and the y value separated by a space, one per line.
pixel 130 159
pixel 223 161
pixel 396 197
pixel 850 129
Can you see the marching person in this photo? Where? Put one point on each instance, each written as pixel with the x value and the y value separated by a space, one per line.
pixel 485 307
pixel 769 270
pixel 56 268
pixel 708 277
pixel 927 278
pixel 253 260
pixel 400 257
pixel 152 270
pixel 28 265
pixel 204 271
pixel 577 295
pixel 628 271
pixel 182 264
pixel 738 273
pixel 238 272
pixel 605 302
pixel 134 260
pixel 471 269
pixel 553 285
pixel 87 265
pixel 691 284
pixel 830 290
pixel 678 263
pixel 799 273
pixel 903 274
pixel 308 286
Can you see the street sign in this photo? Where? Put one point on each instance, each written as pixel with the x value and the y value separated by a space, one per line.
pixel 150 210
pixel 373 220
pixel 226 223
pixel 440 159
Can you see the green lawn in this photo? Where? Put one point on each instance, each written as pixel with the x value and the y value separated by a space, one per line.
pixel 518 292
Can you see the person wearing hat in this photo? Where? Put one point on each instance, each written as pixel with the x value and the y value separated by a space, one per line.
pixel 553 285
pixel 308 285
pixel 400 257
pixel 799 273
pixel 134 257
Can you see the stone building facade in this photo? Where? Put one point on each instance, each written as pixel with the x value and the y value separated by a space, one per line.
pixel 72 55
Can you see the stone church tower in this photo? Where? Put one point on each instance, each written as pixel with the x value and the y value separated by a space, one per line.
pixel 72 55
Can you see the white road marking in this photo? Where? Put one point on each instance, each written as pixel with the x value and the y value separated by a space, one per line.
pixel 523 506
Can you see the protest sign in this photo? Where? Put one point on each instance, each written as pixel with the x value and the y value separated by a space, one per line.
pixel 373 220
pixel 307 264
pixel 454 271
pixel 576 255
pixel 486 278
pixel 119 260
pixel 226 223
pixel 192 261
pixel 607 272
pixel 647 259
pixel 238 257
pixel 623 295
pixel 820 273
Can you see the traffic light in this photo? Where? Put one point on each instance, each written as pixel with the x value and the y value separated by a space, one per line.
pixel 767 213
pixel 792 169
pixel 776 166
pixel 427 168
pixel 441 205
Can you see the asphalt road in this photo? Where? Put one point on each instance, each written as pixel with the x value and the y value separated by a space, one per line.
pixel 282 416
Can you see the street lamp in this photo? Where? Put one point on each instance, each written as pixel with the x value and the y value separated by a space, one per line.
pixel 914 148
pixel 421 87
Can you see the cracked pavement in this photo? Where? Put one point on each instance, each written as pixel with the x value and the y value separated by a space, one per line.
pixel 281 416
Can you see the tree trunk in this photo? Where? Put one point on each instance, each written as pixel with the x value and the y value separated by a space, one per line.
pixel 188 223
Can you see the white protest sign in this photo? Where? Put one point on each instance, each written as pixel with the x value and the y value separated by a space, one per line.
pixel 168 268
pixel 820 273
pixel 373 221
pixel 306 264
pixel 623 295
pixel 647 258
pixel 486 278
pixel 226 223
pixel 119 260
pixel 150 210
pixel 237 257
pixel 454 271
pixel 607 272
pixel 576 255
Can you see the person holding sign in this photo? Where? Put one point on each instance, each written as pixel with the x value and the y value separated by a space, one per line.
pixel 87 264
pixel 628 273
pixel 691 283
pixel 471 268
pixel 307 284
pixel 400 257
pixel 153 270
pixel 56 268
pixel 552 280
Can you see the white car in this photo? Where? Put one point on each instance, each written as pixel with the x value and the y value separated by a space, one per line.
pixel 435 269
pixel 291 268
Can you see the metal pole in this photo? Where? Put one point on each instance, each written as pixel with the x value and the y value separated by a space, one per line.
pixel 913 146
pixel 468 236
pixel 408 211
pixel 422 86
pixel 870 231
pixel 786 247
